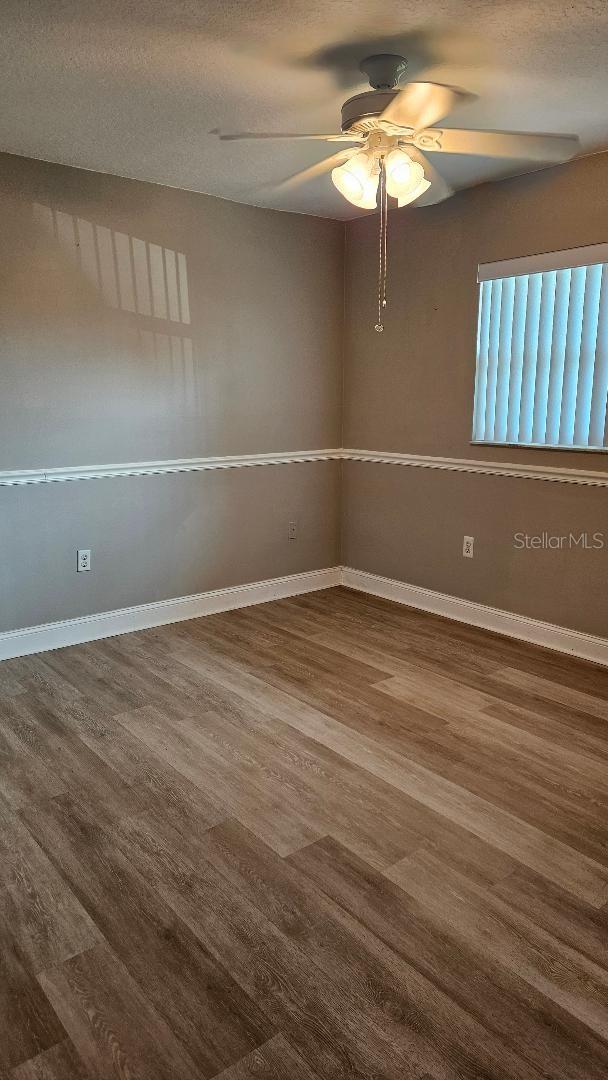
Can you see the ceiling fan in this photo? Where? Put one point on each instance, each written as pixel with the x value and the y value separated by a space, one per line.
pixel 391 129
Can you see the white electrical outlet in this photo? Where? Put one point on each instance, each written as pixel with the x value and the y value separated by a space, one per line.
pixel 83 560
pixel 292 531
pixel 467 546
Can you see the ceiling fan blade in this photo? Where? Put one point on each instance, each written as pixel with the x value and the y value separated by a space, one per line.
pixel 315 170
pixel 439 189
pixel 280 135
pixel 500 144
pixel 420 105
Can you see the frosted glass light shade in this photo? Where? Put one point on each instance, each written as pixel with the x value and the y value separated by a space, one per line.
pixel 357 181
pixel 400 173
pixel 405 179
pixel 416 192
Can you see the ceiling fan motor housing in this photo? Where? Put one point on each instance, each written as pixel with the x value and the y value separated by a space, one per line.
pixel 360 113
pixel 384 70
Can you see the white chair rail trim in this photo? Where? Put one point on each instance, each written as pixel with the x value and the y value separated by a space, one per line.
pixel 486 468
pixel 21 477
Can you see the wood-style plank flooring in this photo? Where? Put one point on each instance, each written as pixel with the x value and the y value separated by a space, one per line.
pixel 324 837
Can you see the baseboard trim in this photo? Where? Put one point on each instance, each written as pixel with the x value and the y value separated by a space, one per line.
pixel 559 638
pixel 58 635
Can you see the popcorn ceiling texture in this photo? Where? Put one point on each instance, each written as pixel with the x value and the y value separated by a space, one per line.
pixel 137 89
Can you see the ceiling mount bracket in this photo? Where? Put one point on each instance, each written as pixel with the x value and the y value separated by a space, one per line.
pixel 384 70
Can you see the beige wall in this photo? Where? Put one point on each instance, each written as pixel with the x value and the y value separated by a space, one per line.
pixel 408 524
pixel 411 390
pixel 159 537
pixel 256 366
pixel 108 356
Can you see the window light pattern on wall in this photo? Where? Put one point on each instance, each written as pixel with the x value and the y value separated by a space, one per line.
pixel 542 350
pixel 131 274
pixel 144 280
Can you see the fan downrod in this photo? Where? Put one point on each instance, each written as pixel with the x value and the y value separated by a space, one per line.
pixel 384 70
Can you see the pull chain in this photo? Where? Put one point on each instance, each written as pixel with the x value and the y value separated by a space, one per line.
pixel 385 194
pixel 382 248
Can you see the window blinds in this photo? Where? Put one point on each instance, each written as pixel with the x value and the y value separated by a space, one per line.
pixel 542 350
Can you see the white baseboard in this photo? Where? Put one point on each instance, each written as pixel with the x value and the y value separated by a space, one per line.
pixel 57 635
pixel 559 638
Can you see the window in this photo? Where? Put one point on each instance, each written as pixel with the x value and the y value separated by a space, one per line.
pixel 542 350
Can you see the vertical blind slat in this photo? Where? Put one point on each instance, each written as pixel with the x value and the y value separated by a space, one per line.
pixel 493 347
pixel 584 388
pixel 573 353
pixel 517 356
pixel 543 365
pixel 505 336
pixel 481 377
pixel 558 356
pixel 599 395
pixel 530 357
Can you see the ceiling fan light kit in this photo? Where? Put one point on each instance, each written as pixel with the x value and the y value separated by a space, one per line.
pixel 391 129
pixel 357 179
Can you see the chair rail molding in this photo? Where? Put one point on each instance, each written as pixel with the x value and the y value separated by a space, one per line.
pixel 19 477
pixel 555 474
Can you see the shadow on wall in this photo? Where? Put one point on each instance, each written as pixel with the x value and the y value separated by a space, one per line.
pixel 137 277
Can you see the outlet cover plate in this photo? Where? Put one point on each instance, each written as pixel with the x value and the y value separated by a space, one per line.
pixel 83 560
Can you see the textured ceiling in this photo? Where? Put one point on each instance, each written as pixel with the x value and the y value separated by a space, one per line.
pixel 136 87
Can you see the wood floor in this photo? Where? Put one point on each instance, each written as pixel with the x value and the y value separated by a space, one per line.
pixel 323 837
